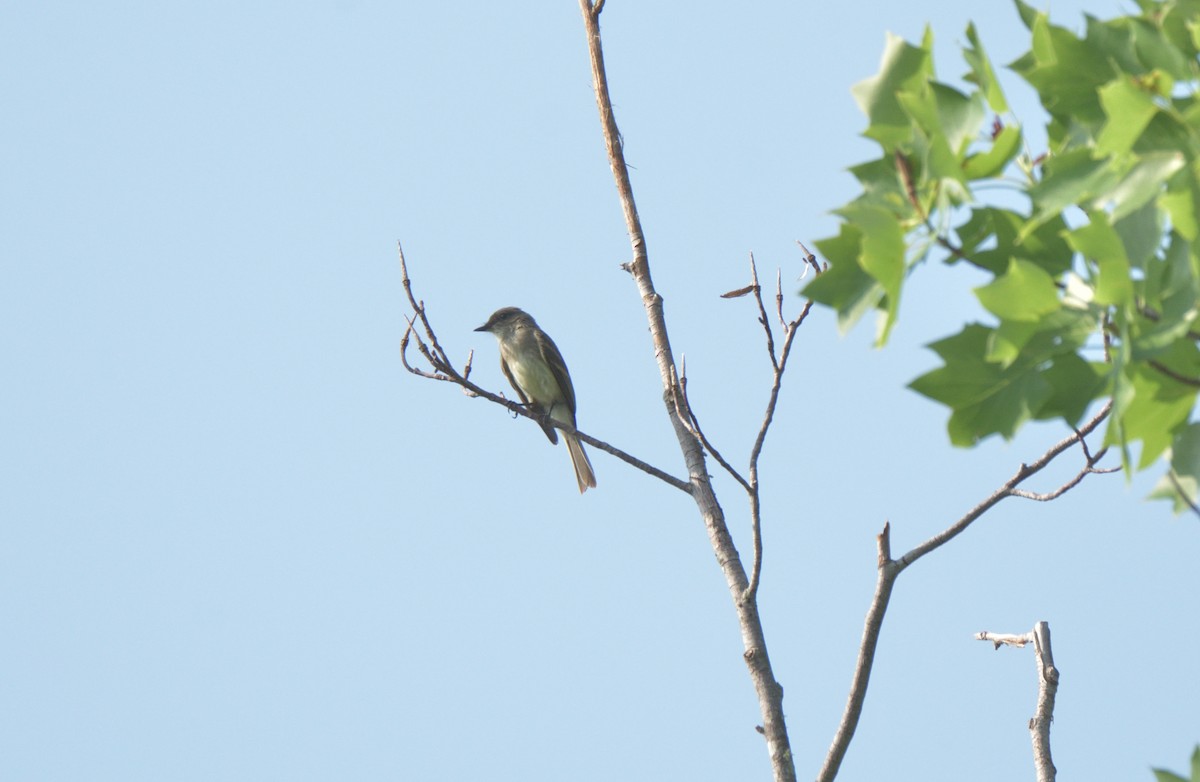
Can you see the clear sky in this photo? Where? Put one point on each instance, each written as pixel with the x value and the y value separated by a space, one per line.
pixel 239 542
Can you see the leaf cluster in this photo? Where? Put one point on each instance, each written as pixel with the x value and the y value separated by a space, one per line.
pixel 1094 274
pixel 1162 775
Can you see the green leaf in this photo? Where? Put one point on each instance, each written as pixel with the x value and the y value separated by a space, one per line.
pixel 1180 26
pixel 1141 233
pixel 1066 72
pixel 1184 476
pixel 1070 179
pixel 1121 389
pixel 1023 293
pixel 1158 409
pixel 959 116
pixel 988 164
pixel 930 141
pixel 1154 338
pixel 1170 298
pixel 1074 383
pixel 1182 203
pixel 1001 228
pixel 1028 14
pixel 1159 774
pixel 881 186
pixel 981 72
pixel 844 286
pixel 1156 52
pixel 1100 242
pixel 1006 342
pixel 904 68
pixel 1129 109
pixel 1166 776
pixel 1115 39
pixel 1169 132
pixel 881 254
pixel 985 398
pixel 1141 184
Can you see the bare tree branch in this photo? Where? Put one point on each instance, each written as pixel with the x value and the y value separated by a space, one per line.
pixel 789 334
pixel 1006 490
pixel 1039 725
pixel 1089 468
pixel 768 690
pixel 890 569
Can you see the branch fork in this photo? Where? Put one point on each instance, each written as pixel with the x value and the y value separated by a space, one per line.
pixel 890 569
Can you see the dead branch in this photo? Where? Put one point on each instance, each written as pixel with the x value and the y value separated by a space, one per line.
pixel 1039 725
pixel 1005 639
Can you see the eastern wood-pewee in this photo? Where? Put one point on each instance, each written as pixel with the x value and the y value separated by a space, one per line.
pixel 531 362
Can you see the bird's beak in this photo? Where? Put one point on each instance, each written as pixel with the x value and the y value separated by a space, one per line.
pixel 482 328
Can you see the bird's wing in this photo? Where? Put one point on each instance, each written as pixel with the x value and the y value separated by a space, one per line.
pixel 559 368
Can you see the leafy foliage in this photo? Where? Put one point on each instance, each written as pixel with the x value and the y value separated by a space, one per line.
pixel 1166 776
pixel 1095 284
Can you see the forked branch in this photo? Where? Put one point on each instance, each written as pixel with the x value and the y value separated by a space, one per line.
pixel 778 365
pixel 890 569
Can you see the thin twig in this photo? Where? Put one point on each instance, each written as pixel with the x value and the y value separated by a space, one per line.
pixel 762 313
pixel 408 332
pixel 779 296
pixel 1089 468
pixel 418 307
pixel 789 334
pixel 687 415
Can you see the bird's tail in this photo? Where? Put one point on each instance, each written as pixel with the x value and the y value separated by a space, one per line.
pixel 583 468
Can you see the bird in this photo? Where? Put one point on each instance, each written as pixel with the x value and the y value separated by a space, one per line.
pixel 535 368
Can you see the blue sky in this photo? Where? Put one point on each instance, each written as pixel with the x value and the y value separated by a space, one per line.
pixel 238 541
